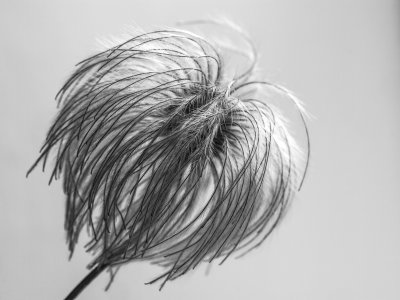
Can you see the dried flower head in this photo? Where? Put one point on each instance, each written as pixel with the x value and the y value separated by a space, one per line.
pixel 167 157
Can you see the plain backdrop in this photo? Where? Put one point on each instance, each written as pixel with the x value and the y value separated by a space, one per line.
pixel 341 238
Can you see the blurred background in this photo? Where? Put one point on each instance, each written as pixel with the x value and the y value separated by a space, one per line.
pixel 341 238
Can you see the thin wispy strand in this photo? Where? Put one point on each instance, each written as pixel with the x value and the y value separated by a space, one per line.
pixel 167 158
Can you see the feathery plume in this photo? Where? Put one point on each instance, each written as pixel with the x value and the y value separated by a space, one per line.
pixel 167 157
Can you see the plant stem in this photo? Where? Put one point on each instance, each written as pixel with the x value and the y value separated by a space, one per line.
pixel 85 282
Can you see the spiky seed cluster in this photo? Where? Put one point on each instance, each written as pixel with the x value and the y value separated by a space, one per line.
pixel 165 158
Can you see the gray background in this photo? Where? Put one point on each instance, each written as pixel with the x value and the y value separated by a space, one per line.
pixel 341 238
